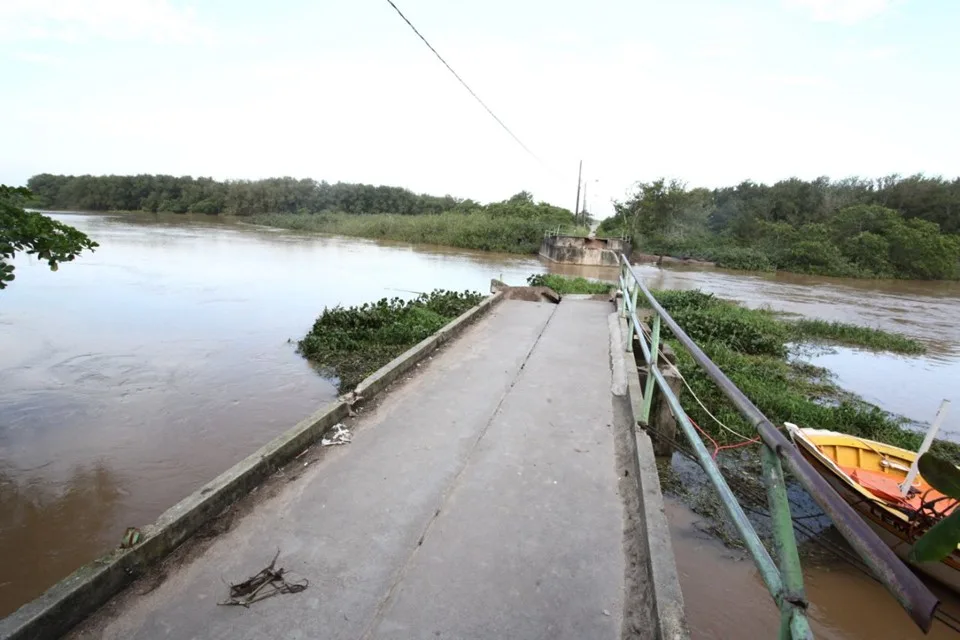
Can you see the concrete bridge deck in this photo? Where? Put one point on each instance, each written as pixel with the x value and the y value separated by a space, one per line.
pixel 480 499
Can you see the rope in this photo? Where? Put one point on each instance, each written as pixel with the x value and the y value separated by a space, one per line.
pixel 716 447
pixel 693 393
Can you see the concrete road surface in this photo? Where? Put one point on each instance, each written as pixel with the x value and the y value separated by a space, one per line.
pixel 478 500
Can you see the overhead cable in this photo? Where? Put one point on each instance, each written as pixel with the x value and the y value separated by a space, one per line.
pixel 467 87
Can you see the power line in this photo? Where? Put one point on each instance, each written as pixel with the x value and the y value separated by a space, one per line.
pixel 466 86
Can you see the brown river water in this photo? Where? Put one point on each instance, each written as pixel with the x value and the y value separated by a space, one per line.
pixel 139 372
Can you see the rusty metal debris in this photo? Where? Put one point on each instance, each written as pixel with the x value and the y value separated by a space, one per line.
pixel 269 582
pixel 131 537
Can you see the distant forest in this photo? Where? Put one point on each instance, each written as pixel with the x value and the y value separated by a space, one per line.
pixel 900 227
pixel 892 227
pixel 236 197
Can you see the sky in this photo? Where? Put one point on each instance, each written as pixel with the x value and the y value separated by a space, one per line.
pixel 710 92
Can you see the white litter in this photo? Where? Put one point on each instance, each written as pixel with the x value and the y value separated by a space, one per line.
pixel 341 435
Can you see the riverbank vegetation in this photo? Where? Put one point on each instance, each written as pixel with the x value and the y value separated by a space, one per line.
pixel 514 225
pixel 480 230
pixel 888 228
pixel 757 349
pixel 350 343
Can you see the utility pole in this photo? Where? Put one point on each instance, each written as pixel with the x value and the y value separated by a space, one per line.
pixel 576 210
pixel 583 209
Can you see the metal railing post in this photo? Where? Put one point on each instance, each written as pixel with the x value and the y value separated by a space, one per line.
pixel 651 365
pixel 624 292
pixel 793 600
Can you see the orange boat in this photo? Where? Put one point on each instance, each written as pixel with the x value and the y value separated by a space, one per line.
pixel 869 475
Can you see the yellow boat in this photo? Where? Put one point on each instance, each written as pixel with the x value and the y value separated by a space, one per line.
pixel 868 475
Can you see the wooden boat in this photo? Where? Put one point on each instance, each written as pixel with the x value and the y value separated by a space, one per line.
pixel 868 475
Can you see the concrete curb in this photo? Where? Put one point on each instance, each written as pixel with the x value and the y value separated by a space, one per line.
pixel 84 591
pixel 662 565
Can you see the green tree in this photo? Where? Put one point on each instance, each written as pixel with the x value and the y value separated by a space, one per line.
pixel 850 221
pixel 33 233
pixel 656 208
pixel 870 252
pixel 918 250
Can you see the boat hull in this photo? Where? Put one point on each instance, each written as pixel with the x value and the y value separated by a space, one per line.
pixel 888 526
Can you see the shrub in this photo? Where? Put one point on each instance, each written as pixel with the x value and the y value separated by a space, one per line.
pixel 466 230
pixel 743 258
pixel 353 342
pixel 708 319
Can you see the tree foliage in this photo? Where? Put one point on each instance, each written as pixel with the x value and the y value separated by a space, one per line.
pixel 34 234
pixel 891 227
pixel 186 194
pixel 940 540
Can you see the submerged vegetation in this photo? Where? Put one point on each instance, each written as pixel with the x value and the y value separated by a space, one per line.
pixel 514 225
pixel 889 228
pixel 753 348
pixel 813 330
pixel 350 343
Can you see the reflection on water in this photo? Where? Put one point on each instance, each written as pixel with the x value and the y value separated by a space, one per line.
pixel 907 386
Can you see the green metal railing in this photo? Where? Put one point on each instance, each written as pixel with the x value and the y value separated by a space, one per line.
pixel 783 577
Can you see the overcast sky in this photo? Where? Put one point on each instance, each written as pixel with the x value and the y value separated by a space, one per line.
pixel 708 91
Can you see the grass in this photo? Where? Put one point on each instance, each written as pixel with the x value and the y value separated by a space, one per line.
pixel 350 343
pixel 809 330
pixel 564 285
pixel 468 231
pixel 751 346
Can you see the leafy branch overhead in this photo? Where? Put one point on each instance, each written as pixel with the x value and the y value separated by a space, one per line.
pixel 941 540
pixel 34 234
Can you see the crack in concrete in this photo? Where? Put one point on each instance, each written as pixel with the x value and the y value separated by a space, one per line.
pixel 384 605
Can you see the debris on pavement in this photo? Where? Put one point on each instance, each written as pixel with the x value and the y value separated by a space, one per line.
pixel 341 435
pixel 130 538
pixel 269 582
pixel 351 399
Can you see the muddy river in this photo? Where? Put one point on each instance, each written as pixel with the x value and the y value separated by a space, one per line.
pixel 136 374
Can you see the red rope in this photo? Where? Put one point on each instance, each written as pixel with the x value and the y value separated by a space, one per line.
pixel 717 448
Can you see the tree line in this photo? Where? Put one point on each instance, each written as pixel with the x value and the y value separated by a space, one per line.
pixel 900 227
pixel 185 194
